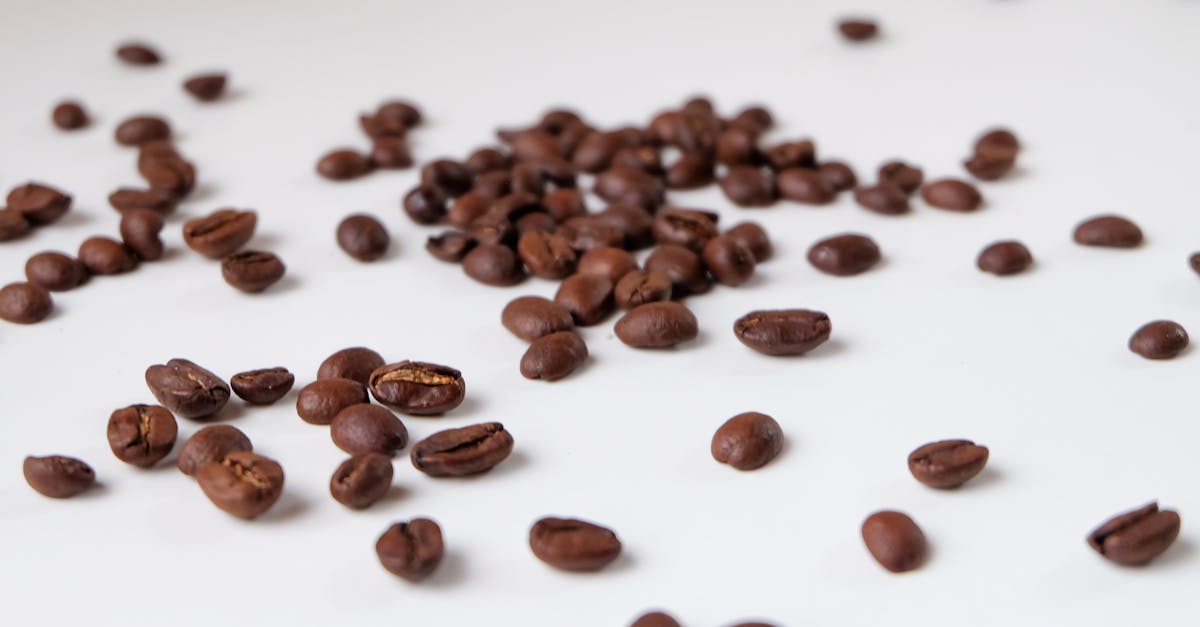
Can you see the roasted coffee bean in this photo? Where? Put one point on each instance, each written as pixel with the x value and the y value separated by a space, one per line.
pixel 838 175
pixel 1194 262
pixel 903 175
pixel 450 246
pixel 40 204
pixel 25 303
pixel 948 463
pixel 141 435
pixel 557 172
pixel 894 540
pixel 156 150
pixel 780 332
pixel 729 261
pixel 418 388
pixel 690 171
pixel 1109 231
pixel 686 227
pixel 952 195
pixel 1003 258
pixel 752 236
pixel 139 129
pixel 737 146
pixel 858 30
pixel 644 158
pixel 447 176
pixel 367 428
pixel 756 119
pixel 425 204
pixel 186 389
pixel 534 144
pixel 139 230
pixel 344 164
pixel 206 87
pixel 55 271
pixel 363 237
pixel 588 232
pixel 884 198
pixel 58 476
pixel 467 208
pixel 104 255
pixel 244 484
pixel 359 482
pixel 844 255
pixel 573 545
pixel 589 298
pixel 320 401
pixel 138 54
pixel 515 205
pixel 463 451
pixel 400 112
pixel 633 223
pixel 160 201
pixel 536 222
pixel 547 255
pixel 173 175
pixel 639 287
pixel 252 271
pixel 528 178
pixel 747 441
pixel 748 186
pixel 69 115
pixel 684 267
pixel 554 356
pixel 1136 537
pixel 797 154
pixel 487 160
pixel 657 325
pixel 391 153
pixel 989 166
pixel 263 386
pixel 531 317
pixel 1161 339
pixel 997 140
pixel 595 152
pixel 220 233
pixel 663 127
pixel 12 224
pixel 804 185
pixel 411 550
pixel 355 363
pixel 493 264
pixel 630 187
pixel 697 131
pixel 211 444
pixel 655 619
pixel 607 261
pixel 564 204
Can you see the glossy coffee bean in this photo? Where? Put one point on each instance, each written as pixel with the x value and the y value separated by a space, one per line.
pixel 450 246
pixel 25 303
pixel 564 204
pixel 663 126
pixel 685 269
pixel 595 152
pixel 858 30
pixel 243 484
pixel 252 271
pixel 12 224
pixel 573 545
pixel 547 255
pixel 884 198
pixel 425 204
pixel 447 176
pixel 804 185
pixel 139 129
pixel 355 363
pixel 838 176
pixel 206 87
pixel 1004 258
pixel 729 261
pixel 141 435
pixel 747 441
pixel 553 356
pixel 359 482
pixel 537 221
pixel 138 54
pixel 390 153
pixel 39 204
pixel 55 271
pixel 754 237
pixel 657 325
pixel 211 444
pixel 463 451
pixel 639 287
pixel 997 140
pixel 779 332
pixel 1136 537
pixel 952 195
pixel 58 476
pixel 363 237
pixel 645 158
pixel 737 146
pixel 487 160
pixel 947 463
pixel 630 187
pixel 794 154
pixel 894 540
pixel 1194 262
pixel 344 164
pixel 320 401
pixel 633 223
pixel 367 428
pixel 690 171
pixel 697 131
pixel 140 230
pixel 160 201
pixel 263 386
pixel 222 232
pixel 844 255
pixel 990 166
pixel 588 232
pixel 655 619
pixel 493 264
pixel 531 317
pixel 588 297
pixel 104 255
pixel 689 228
pixel 418 388
pixel 400 113
pixel 903 175
pixel 1161 339
pixel 1108 231
pixel 467 208
pixel 756 119
pixel 607 261
pixel 186 389
pixel 411 550
pixel 69 115
pixel 748 186
pixel 493 228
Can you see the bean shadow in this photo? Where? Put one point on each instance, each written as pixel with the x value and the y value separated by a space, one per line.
pixel 289 507
pixel 1180 554
pixel 451 572
pixel 289 283
pixel 394 496
pixel 986 479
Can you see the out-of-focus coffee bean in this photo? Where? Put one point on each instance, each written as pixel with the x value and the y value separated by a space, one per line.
pixel 844 255
pixel 1005 257
pixel 883 198
pixel 952 195
pixel 39 204
pixel 804 185
pixel 729 261
pixel 657 325
pixel 748 186
pixel 138 54
pixel 139 129
pixel 55 271
pixel 450 246
pixel 838 175
pixel 905 176
pixel 1109 231
pixel 363 237
pixel 69 115
pixel 344 164
pixel 752 236
pixel 139 230
pixel 160 201
pixel 493 264
pixel 794 154
pixel 25 303
pixel 447 176
pixel 104 255
pixel 857 30
pixel 206 87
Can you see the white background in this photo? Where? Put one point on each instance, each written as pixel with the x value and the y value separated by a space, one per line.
pixel 1103 95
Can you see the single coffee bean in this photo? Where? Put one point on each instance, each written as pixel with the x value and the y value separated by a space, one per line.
pixel 141 435
pixel 252 271
pixel 573 545
pixel 12 224
pixel 589 298
pixel 607 261
pixel 263 386
pixel 69 115
pixel 752 236
pixel 1109 231
pixel 58 476
pixel 25 303
pixel 885 198
pixel 104 255
pixel 39 204
pixel 747 441
pixel 533 144
pixel 804 185
pixel 55 271
pixel 359 482
pixel 657 325
pixel 655 619
pixel 685 227
pixel 563 204
pixel 344 164
pixel 990 165
pixel 138 54
pixel 186 389
pixel 894 540
pixel 1003 258
pixel 1136 537
pixel 464 451
pixel 729 261
pixel 467 208
pixel 780 332
pixel 418 388
pixel 554 356
pixel 220 233
pixel 684 267
pixel 367 428
pixel 211 444
pixel 1194 262
pixel 243 484
pixel 697 131
pixel 536 222
pixel 531 317
pixel 756 119
pixel 487 160
pixel 320 401
pixel 633 223
pixel 838 175
pixel 844 255
pixel 547 255
pixel 363 237
pixel 663 126
pixel 493 264
pixel 595 152
pixel 645 158
pixel 156 150
pixel 391 153
pixel 748 186
pixel 206 87
pixel 796 154
pixel 907 177
pixel 630 187
pixel 639 287
pixel 948 463
pixel 556 172
pixel 139 129
pixel 447 176
pixel 425 204
pixel 997 140
pixel 160 201
pixel 588 232
pixel 1161 339
pixel 411 550
pixel 355 363
pixel 450 246
pixel 400 112
pixel 952 195
pixel 737 146
pixel 690 171
pixel 493 228
pixel 139 230
pixel 527 178
pixel 174 175
pixel 858 30
pixel 493 183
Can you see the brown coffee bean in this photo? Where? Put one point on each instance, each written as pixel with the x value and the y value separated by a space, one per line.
pixel 493 183
pixel 186 389
pixel 139 129
pixel 947 463
pixel 263 386
pixel 690 171
pixel 39 204
pixel 737 146
pixel 657 325
pixel 553 356
pixel 1194 262
pixel 989 166
pixel 1136 537
pixel 141 435
pixel 752 236
pixel 527 178
pixel 418 388
pixel 55 271
pixel 58 476
pixel 858 30
pixel 748 186
pixel 359 482
pixel 12 224
pixel 684 267
pixel 1003 258
pixel 729 261
pixel 645 158
pixel 595 152
pixel 686 227
pixel 534 144
pixel 206 87
pixel 564 204
pixel 697 131
pixel 547 255
pixel 355 363
pixel 952 195
pixel 450 246
pixel 514 205
pixel 747 441
pixel 104 255
pixel 780 332
pixel 796 154
pixel 425 204
pixel 320 401
pixel 883 198
pixel 69 115
pixel 531 317
pixel 1110 231
pixel 493 228
pixel 487 160
pixel 252 271
pixel 156 150
pixel 244 484
pixel 1160 339
pixel 607 261
pixel 400 112
pixel 493 264
pixel 25 303
pixel 170 174
pixel 838 175
pixel 997 140
pixel 756 119
pixel 411 550
pixel 804 185
pixel 344 164
pixel 367 428
pixel 464 451
pixel 663 126
pixel 589 298
pixel 655 619
pixel 907 177
pixel 447 176
pixel 363 237
pixel 391 153
pixel 633 223
pixel 844 255
pixel 139 230
pixel 536 222
pixel 639 287
pixel 138 54
pixel 573 545
pixel 220 233
pixel 211 444
pixel 160 201
pixel 894 540
pixel 588 232
pixel 467 208
pixel 630 187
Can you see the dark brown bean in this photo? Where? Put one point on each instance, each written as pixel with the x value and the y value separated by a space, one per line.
pixel 903 175
pixel 838 175
pixel 690 171
pixel 684 267
pixel 160 201
pixel 487 160
pixel 69 115
pixel 639 287
pixel 206 87
pixel 173 175
pixel 686 227
pixel 467 208
pixel 141 435
pixel 858 30
pixel 1004 258
pixel 747 441
pixel 697 131
pixel 756 119
pixel 884 198
pixel 804 185
pixel 211 444
pixel 139 129
pixel 657 325
pixel 263 386
pixel 400 112
pixel 25 303
pixel 894 540
pixel 425 204
pixel 418 388
pixel 104 255
pixel 493 228
pixel 573 545
pixel 630 187
pixel 320 401
pixel 367 428
pixel 531 317
pixel 589 298
pixel 1160 339
pixel 663 127
pixel 359 482
pixel 607 261
pixel 780 332
pixel 952 195
pixel 997 140
pixel 844 255
pixel 391 153
pixel 547 255
pixel 138 54
pixel 464 451
pixel 493 264
pixel 12 224
pixel 58 476
pixel 39 204
pixel 411 550
pixel 633 223
pixel 595 152
pixel 1194 262
pixel 729 261
pixel 186 389
pixel 55 271
pixel 537 221
pixel 588 232
pixel 553 356
pixel 655 619
pixel 252 271
pixel 220 233
pixel 534 144
pixel 363 237
pixel 447 176
pixel 947 463
pixel 450 246
pixel 748 186
pixel 564 204
pixel 645 158
pixel 355 363
pixel 344 164
pixel 139 230
pixel 752 236
pixel 243 484
pixel 1110 231
pixel 795 154
pixel 989 166
pixel 737 146
pixel 1136 537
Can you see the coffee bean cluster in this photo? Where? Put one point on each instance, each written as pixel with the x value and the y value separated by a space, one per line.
pixel 387 128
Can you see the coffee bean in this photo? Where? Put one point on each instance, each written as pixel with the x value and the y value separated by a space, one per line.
pixel 633 223
pixel 997 140
pixel 1194 262
pixel 1109 231
pixel 657 325
pixel 748 186
pixel 243 484
pixel 139 129
pixel 655 619
pixel 156 150
pixel 630 187
pixel 1003 258
pixel 411 550
pixel 55 271
pixel 589 298
pixel 493 184
pixel 796 154
pixel 467 208
pixel 515 205
pixel 493 228
pixel 752 236
pixel 838 175
pixel 756 119
pixel 186 389
pixel 588 232
pixel 947 463
pixel 141 435
pixel 263 386
pixel 531 317
pixel 104 255
pixel 355 363
pixel 686 227
pixel 69 115
pixel 536 222
pixel 418 388
pixel 729 261
pixel 138 54
pixel 534 144
pixel 425 204
pixel 362 237
pixel 684 267
pixel 607 261
pixel 464 451
pixel 573 545
pixel 391 153
pixel 884 198
pixel 320 401
pixel 779 332
pixel 1136 537
pixel 737 146
pixel 690 171
pixel 205 87
pixel 747 441
pixel 220 233
pixel 447 176
pixel 1160 339
pixel 211 444
pixel 344 164
pixel 894 540
pixel 858 30
pixel 907 177
pixel 57 476
pixel 547 255
pixel 493 264
pixel 844 255
pixel 367 428
pixel 24 303
pixel 554 356
pixel 989 166
pixel 487 160
pixel 595 152
pixel 527 178
pixel 400 112
pixel 804 185
pixel 697 131
pixel 40 204
pixel 359 482
pixel 450 246
pixel 252 271
pixel 12 224
pixel 644 158
pixel 952 195
pixel 639 287
pixel 174 175
pixel 663 127
pixel 139 230
pixel 564 204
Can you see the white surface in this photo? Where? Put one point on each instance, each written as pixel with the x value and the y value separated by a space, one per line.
pixel 925 347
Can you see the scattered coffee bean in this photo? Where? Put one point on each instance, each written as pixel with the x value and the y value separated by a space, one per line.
pixel 595 152
pixel 464 451
pixel 607 261
pixel 418 388
pixel 531 317
pixel 690 171
pixel 729 261
pixel 537 221
pixel 493 264
pixel 748 186
pixel 754 237
pixel 40 204
pixel 657 325
pixel 139 230
pixel 794 154
pixel 104 256
pixel 399 113
pixel 487 160
pixel 363 237
pixel 58 476
pixel 139 129
pixel 747 441
pixel 1161 339
pixel 573 545
pixel 320 401
pixel 244 484
pixel 55 271
pixel 684 267
pixel 211 444
pixel 160 201
pixel 411 550
pixel 69 115
pixel 12 224
pixel 450 246
pixel 344 164
pixel 997 140
pixel 589 298
pixel 355 363
pixel 186 389
pixel 1194 262
pixel 948 463
pixel 655 619
pixel 138 54
pixel 804 185
pixel 547 255
pixel 205 87
pixel 141 435
pixel 1136 537
pixel 756 119
pixel 858 30
pixel 952 195
pixel 252 271
pixel 25 303
pixel 989 166
pixel 844 255
pixel 1003 258
pixel 685 227
pixel 907 177
pixel 644 158
pixel 885 198
pixel 367 428
pixel 783 331
pixel 894 540
pixel 564 204
pixel 630 187
pixel 174 175
pixel 553 356
pixel 447 176
pixel 639 287
pixel 263 386
pixel 466 208
pixel 391 153
pixel 838 176
pixel 220 233
pixel 1109 231
pixel 359 482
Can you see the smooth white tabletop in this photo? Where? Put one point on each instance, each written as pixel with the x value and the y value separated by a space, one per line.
pixel 925 347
